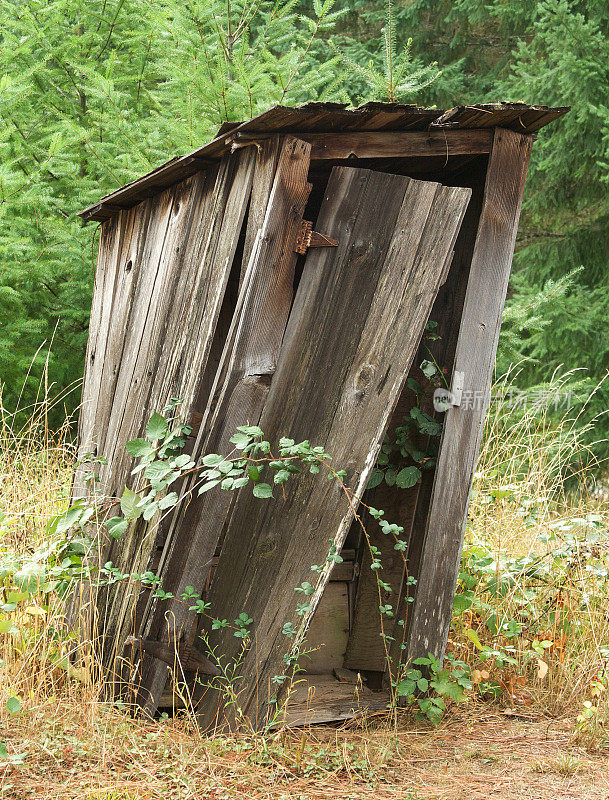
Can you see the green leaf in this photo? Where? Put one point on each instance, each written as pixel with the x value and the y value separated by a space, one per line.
pixel 69 519
pixel 405 688
pixel 262 491
pixel 129 504
pixel 428 368
pixel 251 430
pixel 240 440
pixel 463 601
pixel 13 705
pixel 5 625
pixel 150 510
pixel 139 448
pixel 157 427
pixel 407 477
pixel 474 638
pixel 375 479
pixel 182 461
pixel 390 477
pixel 282 476
pixel 116 526
pixel 446 687
pixel 425 423
pixel 30 577
pixel 211 460
pixel 157 471
pixel 207 486
pixel 168 501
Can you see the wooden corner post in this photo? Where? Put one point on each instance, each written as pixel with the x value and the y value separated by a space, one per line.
pixel 431 613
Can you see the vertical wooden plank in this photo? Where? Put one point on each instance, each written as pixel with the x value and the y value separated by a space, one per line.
pixel 170 357
pixel 158 337
pixel 107 262
pixel 475 354
pixel 356 322
pixel 408 507
pixel 248 363
pixel 266 167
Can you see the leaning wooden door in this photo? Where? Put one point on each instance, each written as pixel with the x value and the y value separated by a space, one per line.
pixel 357 319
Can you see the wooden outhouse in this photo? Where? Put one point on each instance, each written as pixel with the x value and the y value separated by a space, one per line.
pixel 284 275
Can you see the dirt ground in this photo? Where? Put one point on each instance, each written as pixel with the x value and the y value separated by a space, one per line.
pixel 53 753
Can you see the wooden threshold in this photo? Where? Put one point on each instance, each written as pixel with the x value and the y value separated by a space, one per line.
pixel 315 700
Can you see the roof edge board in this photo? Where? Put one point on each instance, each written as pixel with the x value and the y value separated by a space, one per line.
pixel 331 117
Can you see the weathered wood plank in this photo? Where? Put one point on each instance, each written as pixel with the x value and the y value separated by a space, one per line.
pixel 320 699
pixel 264 177
pixel 477 344
pixel 329 630
pixel 398 144
pixel 245 372
pixel 101 305
pixel 409 507
pixel 180 319
pixel 356 323
pixel 162 321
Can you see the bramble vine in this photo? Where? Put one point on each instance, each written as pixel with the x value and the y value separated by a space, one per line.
pixel 253 462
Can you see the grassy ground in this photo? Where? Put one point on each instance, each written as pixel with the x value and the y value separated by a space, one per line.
pixel 71 750
pixel 530 624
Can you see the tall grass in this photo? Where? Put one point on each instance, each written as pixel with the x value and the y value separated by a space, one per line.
pixel 531 618
pixel 534 568
pixel 35 472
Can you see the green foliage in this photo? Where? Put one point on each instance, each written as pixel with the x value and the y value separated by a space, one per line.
pixel 95 94
pixel 554 52
pixel 398 79
pixel 412 446
pixel 428 688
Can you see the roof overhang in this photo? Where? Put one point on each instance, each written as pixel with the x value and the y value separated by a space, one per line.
pixel 334 118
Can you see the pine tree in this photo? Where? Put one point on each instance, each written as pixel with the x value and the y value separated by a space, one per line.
pixel 93 95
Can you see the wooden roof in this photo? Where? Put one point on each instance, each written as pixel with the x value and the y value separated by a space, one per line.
pixel 326 118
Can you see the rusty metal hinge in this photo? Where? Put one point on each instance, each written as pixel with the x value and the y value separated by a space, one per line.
pixel 307 237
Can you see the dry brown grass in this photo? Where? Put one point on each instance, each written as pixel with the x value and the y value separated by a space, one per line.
pixel 35 474
pixel 527 457
pixel 87 751
pixel 66 744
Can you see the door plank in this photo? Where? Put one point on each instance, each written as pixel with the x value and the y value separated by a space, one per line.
pixel 356 323
pixel 408 507
pixel 430 618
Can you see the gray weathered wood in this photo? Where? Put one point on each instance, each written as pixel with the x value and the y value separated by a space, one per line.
pixel 477 344
pixel 409 507
pixel 177 264
pixel 355 326
pixel 398 144
pixel 321 699
pixel 237 397
pixel 327 635
pixel 180 321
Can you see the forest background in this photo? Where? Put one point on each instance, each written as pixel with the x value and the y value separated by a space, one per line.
pixel 93 95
